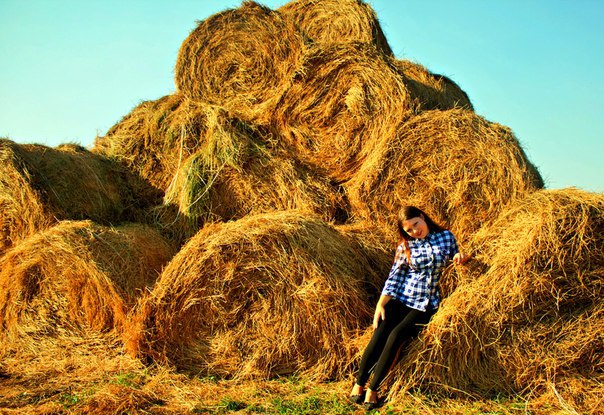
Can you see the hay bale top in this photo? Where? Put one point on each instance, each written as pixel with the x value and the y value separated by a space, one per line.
pixel 459 167
pixel 431 91
pixel 264 295
pixel 337 21
pixel 242 59
pixel 345 102
pixel 78 274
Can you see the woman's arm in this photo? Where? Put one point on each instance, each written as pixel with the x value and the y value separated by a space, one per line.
pixel 380 312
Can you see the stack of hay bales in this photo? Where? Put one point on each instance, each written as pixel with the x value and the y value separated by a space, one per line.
pixel 283 159
pixel 266 295
pixel 41 185
pixel 78 275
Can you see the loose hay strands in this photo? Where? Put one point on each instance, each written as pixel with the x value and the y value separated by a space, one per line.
pixel 77 274
pixel 156 137
pixel 40 185
pixel 262 182
pixel 242 59
pixel 454 164
pixel 536 316
pixel 431 91
pixel 262 296
pixel 337 21
pixel 344 103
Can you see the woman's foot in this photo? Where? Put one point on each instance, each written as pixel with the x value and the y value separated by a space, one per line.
pixel 356 394
pixel 371 400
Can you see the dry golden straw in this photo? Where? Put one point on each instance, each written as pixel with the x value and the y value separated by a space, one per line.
pixel 431 91
pixel 242 59
pixel 78 275
pixel 262 296
pixel 337 21
pixel 454 164
pixel 40 185
pixel 156 137
pixel 532 317
pixel 345 102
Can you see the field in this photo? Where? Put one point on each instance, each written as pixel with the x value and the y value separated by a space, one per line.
pixel 221 249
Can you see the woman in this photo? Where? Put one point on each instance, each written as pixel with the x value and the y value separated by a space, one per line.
pixel 409 298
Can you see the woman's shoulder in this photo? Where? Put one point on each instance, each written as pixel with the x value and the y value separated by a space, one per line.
pixel 445 234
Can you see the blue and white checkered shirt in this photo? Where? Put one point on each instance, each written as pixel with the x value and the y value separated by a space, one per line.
pixel 416 284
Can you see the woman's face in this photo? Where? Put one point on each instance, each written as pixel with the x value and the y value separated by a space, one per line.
pixel 416 227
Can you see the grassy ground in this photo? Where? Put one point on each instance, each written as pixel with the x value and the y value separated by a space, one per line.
pixel 92 376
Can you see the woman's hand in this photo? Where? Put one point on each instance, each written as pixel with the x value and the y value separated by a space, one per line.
pixel 461 258
pixel 380 314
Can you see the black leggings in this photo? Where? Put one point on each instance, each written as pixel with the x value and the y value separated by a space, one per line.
pixel 402 323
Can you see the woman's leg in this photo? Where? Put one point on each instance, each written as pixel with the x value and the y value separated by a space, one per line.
pixel 407 329
pixel 395 313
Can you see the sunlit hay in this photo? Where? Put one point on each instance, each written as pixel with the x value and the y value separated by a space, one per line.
pixel 337 21
pixel 258 182
pixel 431 91
pixel 77 275
pixel 242 59
pixel 535 318
pixel 40 185
pixel 266 295
pixel 344 104
pixel 458 167
pixel 156 137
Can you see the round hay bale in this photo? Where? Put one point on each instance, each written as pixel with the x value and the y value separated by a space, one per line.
pixel 40 185
pixel 458 167
pixel 78 275
pixel 345 103
pixel 534 320
pixel 156 137
pixel 242 59
pixel 262 296
pixel 205 191
pixel 337 21
pixel 431 91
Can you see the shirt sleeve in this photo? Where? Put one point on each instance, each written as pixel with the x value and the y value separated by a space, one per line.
pixel 397 274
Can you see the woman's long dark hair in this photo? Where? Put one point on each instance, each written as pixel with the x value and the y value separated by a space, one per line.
pixel 410 212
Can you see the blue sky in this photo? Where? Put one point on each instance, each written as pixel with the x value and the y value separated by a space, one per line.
pixel 71 69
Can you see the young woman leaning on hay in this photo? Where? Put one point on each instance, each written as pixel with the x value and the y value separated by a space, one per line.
pixel 409 298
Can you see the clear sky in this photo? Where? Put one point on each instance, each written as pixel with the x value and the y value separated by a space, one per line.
pixel 70 69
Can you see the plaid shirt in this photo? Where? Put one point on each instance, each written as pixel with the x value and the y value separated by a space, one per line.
pixel 416 285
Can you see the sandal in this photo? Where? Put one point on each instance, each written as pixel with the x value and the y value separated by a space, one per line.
pixel 356 399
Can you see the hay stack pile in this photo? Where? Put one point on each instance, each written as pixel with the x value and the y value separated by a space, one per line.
pixel 78 274
pixel 283 158
pixel 40 185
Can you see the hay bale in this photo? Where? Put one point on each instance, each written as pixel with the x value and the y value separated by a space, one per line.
pixel 157 136
pixel 204 191
pixel 40 185
pixel 344 103
pixel 78 275
pixel 534 320
pixel 458 167
pixel 337 21
pixel 242 59
pixel 213 167
pixel 431 91
pixel 262 296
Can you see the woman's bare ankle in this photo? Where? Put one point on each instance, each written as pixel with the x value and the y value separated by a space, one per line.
pixel 357 389
pixel 371 396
